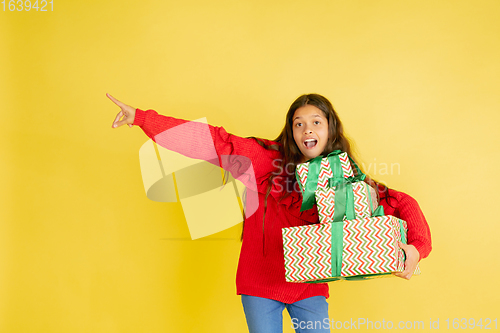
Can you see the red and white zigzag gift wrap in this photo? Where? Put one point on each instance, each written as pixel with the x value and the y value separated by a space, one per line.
pixel 351 249
pixel 365 200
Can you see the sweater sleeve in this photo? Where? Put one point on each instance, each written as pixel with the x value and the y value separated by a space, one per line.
pixel 243 157
pixel 419 234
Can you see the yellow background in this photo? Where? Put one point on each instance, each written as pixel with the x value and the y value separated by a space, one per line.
pixel 82 249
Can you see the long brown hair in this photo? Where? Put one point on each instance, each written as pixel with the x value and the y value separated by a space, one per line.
pixel 288 148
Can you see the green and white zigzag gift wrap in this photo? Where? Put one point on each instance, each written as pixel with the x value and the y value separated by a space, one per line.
pixel 330 182
pixel 352 249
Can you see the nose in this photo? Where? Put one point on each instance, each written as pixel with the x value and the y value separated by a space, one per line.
pixel 307 130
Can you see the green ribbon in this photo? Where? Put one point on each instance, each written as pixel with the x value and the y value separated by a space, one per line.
pixel 337 247
pixel 340 198
pixel 402 235
pixel 379 211
pixel 338 241
pixel 344 197
pixel 308 190
pixel 349 209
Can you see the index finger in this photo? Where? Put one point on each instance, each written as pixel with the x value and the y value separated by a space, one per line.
pixel 117 102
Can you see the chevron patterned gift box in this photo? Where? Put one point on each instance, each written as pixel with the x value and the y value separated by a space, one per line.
pixel 330 179
pixel 352 249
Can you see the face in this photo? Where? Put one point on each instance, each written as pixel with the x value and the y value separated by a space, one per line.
pixel 310 131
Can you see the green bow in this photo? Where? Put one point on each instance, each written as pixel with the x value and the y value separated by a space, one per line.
pixel 344 201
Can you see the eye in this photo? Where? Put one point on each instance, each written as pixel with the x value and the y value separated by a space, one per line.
pixel 317 122
pixel 298 124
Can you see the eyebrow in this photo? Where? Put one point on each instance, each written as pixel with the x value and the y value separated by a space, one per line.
pixel 315 115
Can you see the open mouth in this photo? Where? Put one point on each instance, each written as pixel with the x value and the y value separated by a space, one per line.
pixel 310 143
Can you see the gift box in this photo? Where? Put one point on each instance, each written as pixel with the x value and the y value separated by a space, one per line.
pixel 362 248
pixel 331 183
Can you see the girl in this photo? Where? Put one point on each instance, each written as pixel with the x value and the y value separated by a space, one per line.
pixel 312 128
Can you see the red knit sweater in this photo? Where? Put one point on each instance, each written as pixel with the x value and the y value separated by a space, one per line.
pixel 261 269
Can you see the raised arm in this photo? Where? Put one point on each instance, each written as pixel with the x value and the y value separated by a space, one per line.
pixel 201 141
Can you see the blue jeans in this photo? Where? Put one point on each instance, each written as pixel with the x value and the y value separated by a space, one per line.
pixel 266 315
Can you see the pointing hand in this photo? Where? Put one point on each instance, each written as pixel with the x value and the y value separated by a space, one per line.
pixel 126 114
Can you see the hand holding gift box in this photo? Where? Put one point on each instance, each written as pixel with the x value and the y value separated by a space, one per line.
pixel 351 249
pixel 354 241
